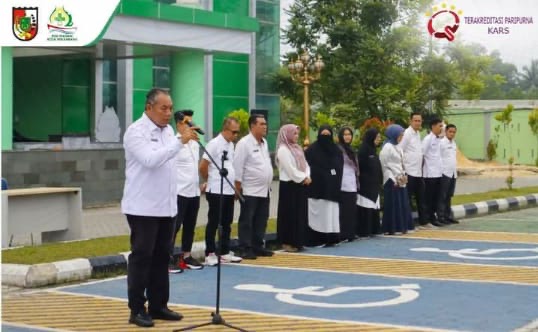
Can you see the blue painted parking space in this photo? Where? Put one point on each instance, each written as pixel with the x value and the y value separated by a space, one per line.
pixel 437 250
pixel 453 305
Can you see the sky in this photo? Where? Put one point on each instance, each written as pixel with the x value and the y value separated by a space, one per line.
pixel 519 46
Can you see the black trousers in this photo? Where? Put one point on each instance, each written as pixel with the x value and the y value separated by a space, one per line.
pixel 415 188
pixel 253 221
pixel 433 194
pixel 213 201
pixel 448 186
pixel 147 268
pixel 187 212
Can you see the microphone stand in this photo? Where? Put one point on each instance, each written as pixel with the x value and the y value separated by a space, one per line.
pixel 216 317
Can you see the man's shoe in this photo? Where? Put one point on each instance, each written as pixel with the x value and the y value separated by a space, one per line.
pixel 230 257
pixel 263 252
pixel 453 221
pixel 437 224
pixel 248 254
pixel 190 262
pixel 166 314
pixel 174 268
pixel 141 319
pixel 211 259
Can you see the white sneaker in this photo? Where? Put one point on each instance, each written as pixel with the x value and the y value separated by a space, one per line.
pixel 211 259
pixel 230 258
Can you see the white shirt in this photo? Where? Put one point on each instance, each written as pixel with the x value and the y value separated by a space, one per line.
pixel 188 181
pixel 349 177
pixel 431 148
pixel 253 166
pixel 448 157
pixel 150 172
pixel 391 157
pixel 215 148
pixel 411 146
pixel 287 166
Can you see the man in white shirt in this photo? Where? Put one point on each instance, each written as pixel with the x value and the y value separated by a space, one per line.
pixel 217 147
pixel 149 203
pixel 253 177
pixel 188 197
pixel 411 146
pixel 450 173
pixel 432 172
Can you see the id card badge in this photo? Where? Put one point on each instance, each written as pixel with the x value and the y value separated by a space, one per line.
pixel 333 171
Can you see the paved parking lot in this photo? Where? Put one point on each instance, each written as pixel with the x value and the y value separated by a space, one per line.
pixel 480 275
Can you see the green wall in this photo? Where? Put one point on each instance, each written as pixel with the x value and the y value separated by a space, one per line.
pixel 60 103
pixel 6 97
pixel 188 83
pixel 230 86
pixel 470 136
pixel 523 141
pixel 142 83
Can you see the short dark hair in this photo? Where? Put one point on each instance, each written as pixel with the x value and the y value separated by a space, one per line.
pixel 152 94
pixel 254 118
pixel 415 113
pixel 227 121
pixel 434 121
pixel 448 126
pixel 180 115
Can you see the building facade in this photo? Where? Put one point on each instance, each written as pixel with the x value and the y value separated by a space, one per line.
pixel 74 104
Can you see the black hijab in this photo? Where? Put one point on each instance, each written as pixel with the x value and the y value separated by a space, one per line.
pixel 368 147
pixel 326 167
pixel 371 176
pixel 347 146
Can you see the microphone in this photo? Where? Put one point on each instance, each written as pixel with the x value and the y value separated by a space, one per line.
pixel 198 130
pixel 179 116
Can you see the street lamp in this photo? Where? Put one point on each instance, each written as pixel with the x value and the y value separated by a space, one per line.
pixel 306 70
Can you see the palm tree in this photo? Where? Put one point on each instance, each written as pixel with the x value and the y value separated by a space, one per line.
pixel 529 76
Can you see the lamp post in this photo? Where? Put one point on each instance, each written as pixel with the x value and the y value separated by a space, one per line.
pixel 306 70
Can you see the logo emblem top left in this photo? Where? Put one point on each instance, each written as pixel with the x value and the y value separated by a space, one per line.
pixel 25 23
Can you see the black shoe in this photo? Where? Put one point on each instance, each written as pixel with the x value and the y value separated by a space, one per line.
pixel 141 319
pixel 166 314
pixel 453 221
pixel 247 254
pixel 263 252
pixel 438 224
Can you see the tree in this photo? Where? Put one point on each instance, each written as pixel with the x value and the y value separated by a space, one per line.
pixel 373 51
pixel 529 76
pixel 533 123
pixel 505 118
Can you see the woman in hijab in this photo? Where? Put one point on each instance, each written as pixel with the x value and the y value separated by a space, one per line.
pixel 350 185
pixel 326 167
pixel 396 212
pixel 294 174
pixel 371 179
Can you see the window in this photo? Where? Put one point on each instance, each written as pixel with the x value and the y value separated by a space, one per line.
pixel 161 72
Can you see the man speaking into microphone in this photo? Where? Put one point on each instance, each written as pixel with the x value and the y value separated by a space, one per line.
pixel 149 202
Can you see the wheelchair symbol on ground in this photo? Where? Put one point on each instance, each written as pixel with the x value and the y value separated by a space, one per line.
pixel 406 293
pixel 487 254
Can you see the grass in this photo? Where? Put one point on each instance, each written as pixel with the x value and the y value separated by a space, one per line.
pixel 496 194
pixel 52 252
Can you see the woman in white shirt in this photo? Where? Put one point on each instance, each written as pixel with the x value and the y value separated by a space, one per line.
pixel 294 175
pixel 396 212
pixel 350 185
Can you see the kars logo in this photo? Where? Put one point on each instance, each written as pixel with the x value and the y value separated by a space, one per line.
pixel 444 23
pixel 25 23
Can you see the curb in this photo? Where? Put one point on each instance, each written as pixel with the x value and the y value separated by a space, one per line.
pixel 80 269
